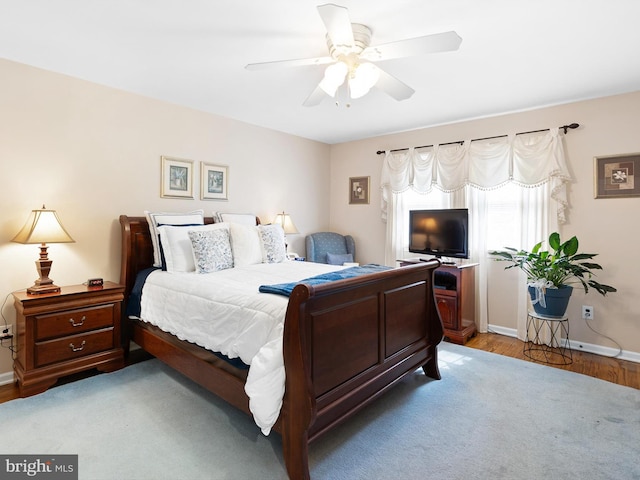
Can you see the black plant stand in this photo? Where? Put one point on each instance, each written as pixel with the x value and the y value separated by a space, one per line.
pixel 547 339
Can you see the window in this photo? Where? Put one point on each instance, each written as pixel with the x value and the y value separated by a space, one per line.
pixel 477 174
pixel 503 217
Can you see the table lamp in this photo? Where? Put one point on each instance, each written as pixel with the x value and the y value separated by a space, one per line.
pixel 43 226
pixel 284 220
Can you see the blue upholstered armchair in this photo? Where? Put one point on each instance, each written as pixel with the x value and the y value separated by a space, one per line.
pixel 330 247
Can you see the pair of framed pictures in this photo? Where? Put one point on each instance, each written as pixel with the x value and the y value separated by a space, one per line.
pixel 177 179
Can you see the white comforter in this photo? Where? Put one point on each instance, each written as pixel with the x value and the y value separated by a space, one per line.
pixel 224 312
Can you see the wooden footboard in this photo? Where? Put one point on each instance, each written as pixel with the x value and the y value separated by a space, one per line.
pixel 349 341
pixel 345 343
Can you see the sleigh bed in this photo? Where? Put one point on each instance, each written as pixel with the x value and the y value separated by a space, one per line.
pixel 387 320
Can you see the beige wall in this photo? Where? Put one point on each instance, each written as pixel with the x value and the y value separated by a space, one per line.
pixel 609 227
pixel 93 153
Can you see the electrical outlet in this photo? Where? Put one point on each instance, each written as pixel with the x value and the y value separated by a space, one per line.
pixel 8 333
pixel 587 312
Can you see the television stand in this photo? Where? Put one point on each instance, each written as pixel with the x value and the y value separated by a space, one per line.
pixel 455 295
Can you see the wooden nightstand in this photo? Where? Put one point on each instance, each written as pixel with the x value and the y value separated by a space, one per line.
pixel 63 333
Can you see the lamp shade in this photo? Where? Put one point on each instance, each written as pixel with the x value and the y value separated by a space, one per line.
pixel 284 220
pixel 43 226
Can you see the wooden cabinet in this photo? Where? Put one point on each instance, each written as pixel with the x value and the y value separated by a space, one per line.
pixel 454 289
pixel 63 333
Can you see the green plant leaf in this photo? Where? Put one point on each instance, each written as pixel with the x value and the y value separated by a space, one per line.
pixel 591 266
pixel 571 246
pixel 583 256
pixel 554 241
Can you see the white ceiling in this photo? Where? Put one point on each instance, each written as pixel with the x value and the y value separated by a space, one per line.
pixel 515 55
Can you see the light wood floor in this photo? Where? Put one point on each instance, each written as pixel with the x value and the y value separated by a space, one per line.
pixel 609 369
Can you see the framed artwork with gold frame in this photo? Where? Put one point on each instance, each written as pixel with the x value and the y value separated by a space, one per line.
pixel 177 178
pixel 214 180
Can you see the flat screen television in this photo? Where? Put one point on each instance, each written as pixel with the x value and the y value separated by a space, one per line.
pixel 441 233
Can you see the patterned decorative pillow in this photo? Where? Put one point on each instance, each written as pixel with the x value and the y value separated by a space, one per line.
pixel 274 249
pixel 211 250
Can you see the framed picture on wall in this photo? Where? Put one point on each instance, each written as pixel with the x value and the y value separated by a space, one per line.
pixel 615 176
pixel 359 190
pixel 177 178
pixel 214 180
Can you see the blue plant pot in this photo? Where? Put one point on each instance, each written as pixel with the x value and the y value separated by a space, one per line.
pixel 556 299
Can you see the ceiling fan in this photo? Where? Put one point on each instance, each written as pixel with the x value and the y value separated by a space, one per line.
pixel 350 57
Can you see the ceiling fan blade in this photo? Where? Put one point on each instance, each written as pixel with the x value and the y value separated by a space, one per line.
pixel 438 42
pixel 301 62
pixel 336 21
pixel 393 87
pixel 314 98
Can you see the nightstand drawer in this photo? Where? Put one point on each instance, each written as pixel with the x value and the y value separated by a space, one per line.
pixel 71 322
pixel 73 346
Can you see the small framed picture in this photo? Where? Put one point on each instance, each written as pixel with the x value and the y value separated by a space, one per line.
pixel 214 180
pixel 359 190
pixel 615 176
pixel 177 178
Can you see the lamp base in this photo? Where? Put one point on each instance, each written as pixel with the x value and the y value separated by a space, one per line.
pixel 43 284
pixel 40 289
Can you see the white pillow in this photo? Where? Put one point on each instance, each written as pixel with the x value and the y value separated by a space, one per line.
pixel 163 218
pixel 245 244
pixel 243 218
pixel 274 249
pixel 176 245
pixel 211 250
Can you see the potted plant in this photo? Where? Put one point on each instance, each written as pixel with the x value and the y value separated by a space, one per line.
pixel 549 273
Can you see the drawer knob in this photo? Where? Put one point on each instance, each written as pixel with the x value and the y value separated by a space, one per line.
pixel 77 349
pixel 79 324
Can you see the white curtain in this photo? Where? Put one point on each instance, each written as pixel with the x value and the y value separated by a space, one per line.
pixel 460 175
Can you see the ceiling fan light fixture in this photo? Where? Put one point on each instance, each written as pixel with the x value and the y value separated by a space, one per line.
pixel 334 76
pixel 363 78
pixel 349 44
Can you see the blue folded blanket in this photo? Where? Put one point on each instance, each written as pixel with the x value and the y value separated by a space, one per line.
pixel 286 288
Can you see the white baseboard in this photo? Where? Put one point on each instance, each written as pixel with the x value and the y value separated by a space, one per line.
pixel 578 346
pixel 6 378
pixel 605 351
pixel 509 332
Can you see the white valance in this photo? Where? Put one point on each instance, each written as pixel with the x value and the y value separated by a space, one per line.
pixel 528 160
